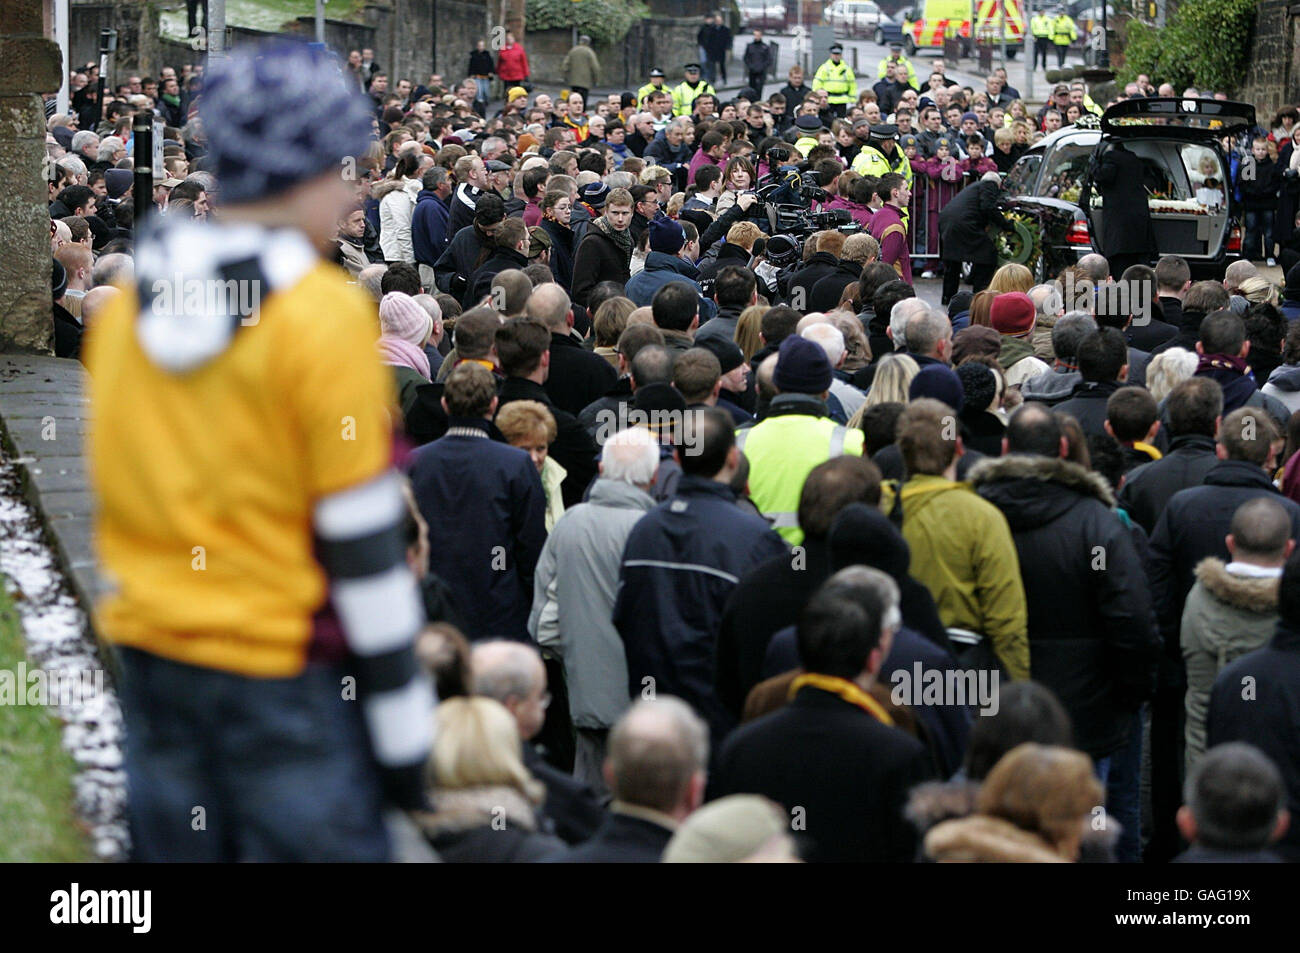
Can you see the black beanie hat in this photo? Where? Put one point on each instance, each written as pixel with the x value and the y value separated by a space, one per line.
pixel 58 279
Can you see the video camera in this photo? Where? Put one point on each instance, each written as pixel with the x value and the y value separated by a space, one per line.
pixel 785 196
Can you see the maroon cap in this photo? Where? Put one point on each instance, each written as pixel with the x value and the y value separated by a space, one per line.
pixel 1012 313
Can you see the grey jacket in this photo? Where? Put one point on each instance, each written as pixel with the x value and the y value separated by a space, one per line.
pixel 1054 387
pixel 1226 615
pixel 574 587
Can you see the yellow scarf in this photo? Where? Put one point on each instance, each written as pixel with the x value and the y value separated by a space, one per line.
pixel 846 690
pixel 1149 450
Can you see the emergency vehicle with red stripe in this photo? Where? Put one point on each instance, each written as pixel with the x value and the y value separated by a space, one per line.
pixel 970 21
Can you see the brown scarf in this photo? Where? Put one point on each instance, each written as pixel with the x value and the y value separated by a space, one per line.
pixel 622 239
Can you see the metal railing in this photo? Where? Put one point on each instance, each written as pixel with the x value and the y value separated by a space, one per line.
pixel 922 216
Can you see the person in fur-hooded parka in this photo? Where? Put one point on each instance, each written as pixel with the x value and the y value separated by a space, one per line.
pixel 1092 638
pixel 1231 610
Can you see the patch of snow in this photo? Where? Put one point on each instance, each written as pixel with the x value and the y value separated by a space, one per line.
pixel 60 644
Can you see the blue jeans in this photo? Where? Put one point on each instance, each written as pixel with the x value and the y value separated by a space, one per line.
pixel 222 768
pixel 1259 224
pixel 1121 772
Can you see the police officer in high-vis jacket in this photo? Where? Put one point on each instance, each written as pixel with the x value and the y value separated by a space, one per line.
pixel 881 154
pixel 1040 25
pixel 1064 33
pixel 656 83
pixel 838 80
pixel 685 93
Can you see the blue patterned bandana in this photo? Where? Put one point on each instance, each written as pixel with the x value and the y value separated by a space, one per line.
pixel 279 113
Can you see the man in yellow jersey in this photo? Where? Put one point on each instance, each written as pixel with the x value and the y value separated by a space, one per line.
pixel 248 519
pixel 838 80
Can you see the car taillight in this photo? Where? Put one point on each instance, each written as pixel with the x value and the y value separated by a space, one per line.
pixel 1234 239
pixel 1078 234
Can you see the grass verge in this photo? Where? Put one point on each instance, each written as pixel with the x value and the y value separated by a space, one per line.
pixel 38 819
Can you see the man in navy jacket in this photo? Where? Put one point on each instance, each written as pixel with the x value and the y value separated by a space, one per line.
pixel 429 232
pixel 682 561
pixel 484 503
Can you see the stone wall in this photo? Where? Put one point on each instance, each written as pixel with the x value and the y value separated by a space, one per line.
pixel 459 26
pixel 139 47
pixel 32 65
pixel 1273 76
pixel 666 43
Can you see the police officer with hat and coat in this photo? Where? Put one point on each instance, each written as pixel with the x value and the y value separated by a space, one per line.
pixel 685 93
pixel 881 154
pixel 836 77
pixel 656 83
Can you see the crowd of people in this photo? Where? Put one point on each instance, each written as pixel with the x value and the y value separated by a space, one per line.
pixel 636 529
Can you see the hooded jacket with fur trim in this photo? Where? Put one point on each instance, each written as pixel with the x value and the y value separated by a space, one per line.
pixel 1092 637
pixel 980 839
pixel 1226 615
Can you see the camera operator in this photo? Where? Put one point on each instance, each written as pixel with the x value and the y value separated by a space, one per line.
pixel 824 261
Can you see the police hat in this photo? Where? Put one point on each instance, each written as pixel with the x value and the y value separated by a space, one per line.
pixel 692 66
pixel 895 46
pixel 809 124
pixel 837 47
pixel 656 73
pixel 886 130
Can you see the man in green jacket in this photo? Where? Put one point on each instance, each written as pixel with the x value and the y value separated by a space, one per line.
pixel 581 67
pixel 962 550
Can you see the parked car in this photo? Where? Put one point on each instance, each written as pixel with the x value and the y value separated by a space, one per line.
pixel 889 31
pixel 1181 144
pixel 854 17
pixel 763 14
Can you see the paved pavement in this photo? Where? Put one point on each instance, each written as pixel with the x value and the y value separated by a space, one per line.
pixel 44 413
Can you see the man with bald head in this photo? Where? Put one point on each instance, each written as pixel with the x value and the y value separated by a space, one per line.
pixel 1238 272
pixel 113 268
pixel 94 301
pixel 578 376
pixel 513 674
pixel 655 769
pixel 1095 266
